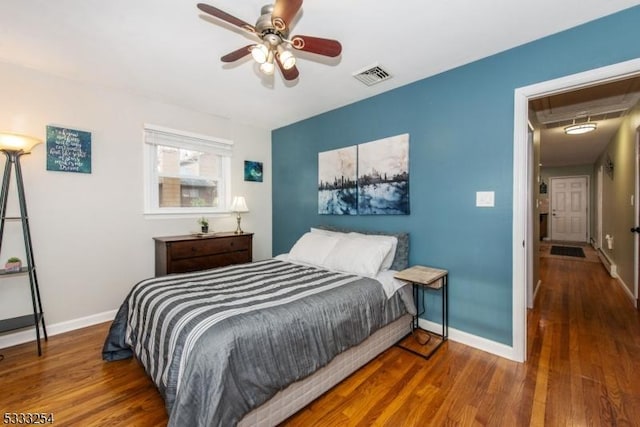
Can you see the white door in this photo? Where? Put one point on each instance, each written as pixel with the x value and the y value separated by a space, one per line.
pixel 569 209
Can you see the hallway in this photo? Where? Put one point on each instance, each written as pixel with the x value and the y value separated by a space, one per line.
pixel 584 338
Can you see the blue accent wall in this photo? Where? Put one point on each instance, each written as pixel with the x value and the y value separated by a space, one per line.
pixel 461 141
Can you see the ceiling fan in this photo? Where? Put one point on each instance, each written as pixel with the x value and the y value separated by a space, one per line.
pixel 274 46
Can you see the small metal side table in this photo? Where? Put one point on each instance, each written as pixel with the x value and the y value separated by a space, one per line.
pixel 433 278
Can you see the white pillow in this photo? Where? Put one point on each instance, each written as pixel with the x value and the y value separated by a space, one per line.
pixel 312 248
pixel 388 260
pixel 328 232
pixel 393 240
pixel 359 256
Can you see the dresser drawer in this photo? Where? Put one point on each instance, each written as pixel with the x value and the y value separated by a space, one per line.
pixel 210 261
pixel 181 254
pixel 197 248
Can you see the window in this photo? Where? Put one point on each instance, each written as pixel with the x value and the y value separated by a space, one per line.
pixel 185 173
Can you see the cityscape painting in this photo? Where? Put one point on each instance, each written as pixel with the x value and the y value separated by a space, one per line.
pixel 367 179
pixel 337 182
pixel 383 176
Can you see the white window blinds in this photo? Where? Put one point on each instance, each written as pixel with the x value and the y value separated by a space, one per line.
pixel 156 135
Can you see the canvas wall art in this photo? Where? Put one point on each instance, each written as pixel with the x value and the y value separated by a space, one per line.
pixel 337 182
pixel 68 150
pixel 365 179
pixel 252 171
pixel 383 176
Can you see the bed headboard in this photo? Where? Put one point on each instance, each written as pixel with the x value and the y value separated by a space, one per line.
pixel 401 259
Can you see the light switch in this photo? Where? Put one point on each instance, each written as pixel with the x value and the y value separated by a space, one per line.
pixel 485 199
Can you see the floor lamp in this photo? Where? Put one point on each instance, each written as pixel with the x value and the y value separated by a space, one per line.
pixel 14 146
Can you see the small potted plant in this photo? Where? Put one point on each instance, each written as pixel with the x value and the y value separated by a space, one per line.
pixel 13 264
pixel 204 224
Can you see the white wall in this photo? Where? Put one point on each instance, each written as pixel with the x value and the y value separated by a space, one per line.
pixel 91 241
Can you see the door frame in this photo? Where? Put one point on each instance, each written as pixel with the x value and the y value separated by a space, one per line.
pixel 587 220
pixel 597 241
pixel 636 208
pixel 522 245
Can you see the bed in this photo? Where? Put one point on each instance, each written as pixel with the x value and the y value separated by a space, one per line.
pixel 241 344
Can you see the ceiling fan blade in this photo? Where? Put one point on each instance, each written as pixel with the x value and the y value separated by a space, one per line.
pixel 290 74
pixel 283 12
pixel 326 47
pixel 237 54
pixel 214 11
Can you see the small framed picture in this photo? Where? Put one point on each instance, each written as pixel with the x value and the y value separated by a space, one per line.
pixel 252 171
pixel 543 187
pixel 68 150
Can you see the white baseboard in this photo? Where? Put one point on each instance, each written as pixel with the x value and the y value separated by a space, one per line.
pixel 474 341
pixel 465 338
pixel 535 292
pixel 611 267
pixel 626 289
pixel 613 272
pixel 29 334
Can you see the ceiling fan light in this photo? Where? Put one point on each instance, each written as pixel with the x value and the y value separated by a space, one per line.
pixel 267 68
pixel 287 59
pixel 580 128
pixel 260 53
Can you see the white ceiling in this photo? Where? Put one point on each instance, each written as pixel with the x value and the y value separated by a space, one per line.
pixel 604 104
pixel 169 51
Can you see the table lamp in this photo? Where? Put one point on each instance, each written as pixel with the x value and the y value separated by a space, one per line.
pixel 239 205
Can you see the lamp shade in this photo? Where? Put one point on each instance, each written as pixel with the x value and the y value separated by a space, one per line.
pixel 16 142
pixel 239 204
pixel 267 68
pixel 286 58
pixel 260 53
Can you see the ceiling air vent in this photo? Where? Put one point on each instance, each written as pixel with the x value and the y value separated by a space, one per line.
pixel 372 74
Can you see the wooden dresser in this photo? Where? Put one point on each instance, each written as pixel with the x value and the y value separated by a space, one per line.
pixel 180 254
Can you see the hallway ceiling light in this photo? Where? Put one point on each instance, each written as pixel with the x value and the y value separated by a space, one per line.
pixel 577 129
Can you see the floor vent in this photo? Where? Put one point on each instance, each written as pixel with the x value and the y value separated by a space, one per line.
pixel 372 75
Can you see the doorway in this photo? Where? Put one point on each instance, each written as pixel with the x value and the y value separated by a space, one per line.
pixel 522 245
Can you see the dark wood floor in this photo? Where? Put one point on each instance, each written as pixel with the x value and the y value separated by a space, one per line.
pixel 583 369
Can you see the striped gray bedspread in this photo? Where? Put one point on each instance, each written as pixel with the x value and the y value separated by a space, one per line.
pixel 219 343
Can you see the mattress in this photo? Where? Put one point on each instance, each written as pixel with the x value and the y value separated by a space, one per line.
pixel 299 394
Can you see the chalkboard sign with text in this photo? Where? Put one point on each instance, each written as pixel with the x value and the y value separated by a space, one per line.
pixel 68 150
